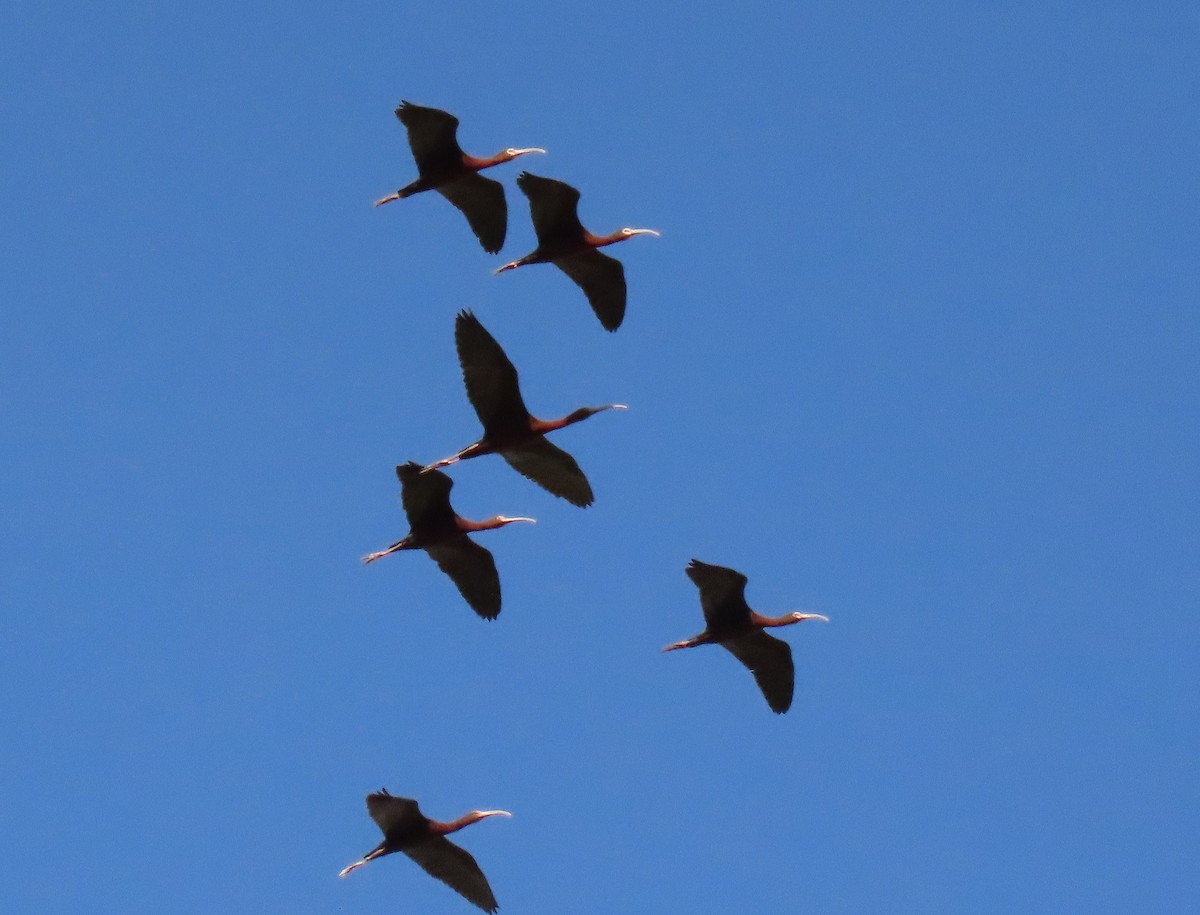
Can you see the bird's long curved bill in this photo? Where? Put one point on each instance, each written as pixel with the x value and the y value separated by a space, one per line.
pixel 531 149
pixel 509 520
pixel 814 616
pixel 653 232
pixel 494 813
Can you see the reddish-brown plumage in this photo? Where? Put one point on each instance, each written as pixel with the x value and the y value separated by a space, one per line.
pixel 436 528
pixel 445 168
pixel 508 427
pixel 406 829
pixel 731 624
pixel 564 242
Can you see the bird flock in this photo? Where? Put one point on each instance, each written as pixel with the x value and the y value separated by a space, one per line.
pixel 519 437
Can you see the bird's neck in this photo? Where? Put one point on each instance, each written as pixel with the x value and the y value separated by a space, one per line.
pixel 475 163
pixel 600 241
pixel 489 524
pixel 455 825
pixel 549 425
pixel 770 622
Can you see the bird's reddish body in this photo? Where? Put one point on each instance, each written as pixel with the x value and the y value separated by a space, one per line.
pixel 509 429
pixel 564 242
pixel 436 528
pixel 731 624
pixel 445 168
pixel 406 829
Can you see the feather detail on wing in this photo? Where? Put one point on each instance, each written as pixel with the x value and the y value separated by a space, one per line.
pixel 425 497
pixel 770 660
pixel 473 571
pixel 602 279
pixel 553 205
pixel 433 136
pixel 490 378
pixel 551 468
pixel 392 813
pixel 455 867
pixel 482 201
pixel 722 594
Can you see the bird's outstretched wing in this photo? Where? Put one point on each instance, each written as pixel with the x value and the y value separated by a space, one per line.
pixel 455 867
pixel 722 594
pixel 770 660
pixel 553 206
pixel 392 814
pixel 482 201
pixel 602 279
pixel 490 377
pixel 425 497
pixel 551 468
pixel 473 571
pixel 433 136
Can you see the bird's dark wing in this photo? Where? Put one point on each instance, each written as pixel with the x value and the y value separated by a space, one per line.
pixel 455 867
pixel 393 814
pixel 602 279
pixel 553 206
pixel 481 200
pixel 433 136
pixel 770 660
pixel 425 497
pixel 490 377
pixel 722 594
pixel 551 468
pixel 473 571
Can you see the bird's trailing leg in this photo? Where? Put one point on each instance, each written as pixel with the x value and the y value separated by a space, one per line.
pixel 470 451
pixel 444 462
pixel 398 545
pixel 357 864
pixel 527 259
pixel 686 643
pixel 369 856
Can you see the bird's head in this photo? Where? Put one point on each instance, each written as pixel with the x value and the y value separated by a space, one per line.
pixel 512 152
pixel 629 233
pixel 799 617
pixel 584 412
pixel 477 815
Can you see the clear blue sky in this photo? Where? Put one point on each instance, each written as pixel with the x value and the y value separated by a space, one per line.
pixel 918 350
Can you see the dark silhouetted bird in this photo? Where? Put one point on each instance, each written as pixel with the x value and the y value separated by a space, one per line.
pixel 424 840
pixel 564 242
pixel 731 624
pixel 454 174
pixel 508 428
pixel 440 532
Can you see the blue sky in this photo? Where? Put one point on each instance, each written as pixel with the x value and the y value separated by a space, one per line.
pixel 917 350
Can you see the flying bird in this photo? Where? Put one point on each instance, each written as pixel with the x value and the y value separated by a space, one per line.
pixel 424 840
pixel 731 624
pixel 445 168
pixel 440 532
pixel 508 428
pixel 564 242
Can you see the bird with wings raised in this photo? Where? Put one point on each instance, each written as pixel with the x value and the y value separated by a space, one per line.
pixel 730 623
pixel 443 167
pixel 508 427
